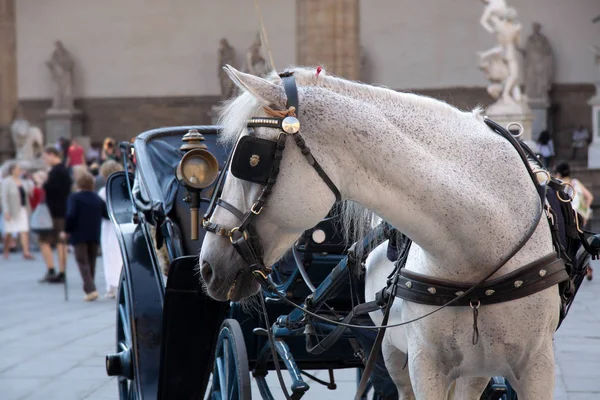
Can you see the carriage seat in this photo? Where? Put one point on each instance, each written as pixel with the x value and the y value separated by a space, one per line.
pixel 156 190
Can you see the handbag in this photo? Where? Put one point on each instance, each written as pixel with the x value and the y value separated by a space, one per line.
pixel 41 220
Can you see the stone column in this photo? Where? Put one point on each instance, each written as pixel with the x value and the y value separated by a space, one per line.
pixel 327 34
pixel 8 74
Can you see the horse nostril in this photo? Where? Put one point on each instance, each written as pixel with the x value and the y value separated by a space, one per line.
pixel 206 271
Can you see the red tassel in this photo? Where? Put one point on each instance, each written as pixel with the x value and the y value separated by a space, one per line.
pixel 319 69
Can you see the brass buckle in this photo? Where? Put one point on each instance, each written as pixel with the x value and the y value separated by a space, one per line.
pixel 474 306
pixel 236 229
pixel 255 212
pixel 541 171
pixel 570 199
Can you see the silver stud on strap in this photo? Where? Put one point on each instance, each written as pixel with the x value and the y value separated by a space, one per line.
pixel 518 284
pixel 431 290
pixel 542 272
pixel 290 125
pixel 489 292
pixel 408 284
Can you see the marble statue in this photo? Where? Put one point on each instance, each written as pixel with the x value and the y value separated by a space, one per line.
pixel 28 139
pixel 255 61
pixel 539 65
pixel 226 56
pixel 61 67
pixel 493 8
pixel 500 63
pixel 501 66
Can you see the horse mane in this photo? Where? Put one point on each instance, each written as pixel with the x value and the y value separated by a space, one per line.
pixel 234 114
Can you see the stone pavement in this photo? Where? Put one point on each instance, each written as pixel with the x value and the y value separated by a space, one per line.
pixel 52 349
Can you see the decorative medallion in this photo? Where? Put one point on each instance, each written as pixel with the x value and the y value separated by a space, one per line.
pixel 254 160
pixel 408 284
pixel 518 284
pixel 490 292
pixel 431 290
pixel 542 272
pixel 290 125
pixel 460 293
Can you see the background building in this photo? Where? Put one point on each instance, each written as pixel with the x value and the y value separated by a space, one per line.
pixel 142 64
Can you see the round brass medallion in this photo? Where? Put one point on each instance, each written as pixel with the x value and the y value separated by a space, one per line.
pixel 290 125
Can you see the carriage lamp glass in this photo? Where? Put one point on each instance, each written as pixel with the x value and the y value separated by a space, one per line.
pixel 318 236
pixel 198 169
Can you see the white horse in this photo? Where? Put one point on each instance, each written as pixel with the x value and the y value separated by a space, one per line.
pixel 440 176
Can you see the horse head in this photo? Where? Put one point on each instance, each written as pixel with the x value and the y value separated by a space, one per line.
pixel 299 199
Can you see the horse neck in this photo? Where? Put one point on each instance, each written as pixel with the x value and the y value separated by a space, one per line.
pixel 424 167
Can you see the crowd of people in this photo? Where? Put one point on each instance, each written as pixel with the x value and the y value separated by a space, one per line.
pixel 70 197
pixel 580 139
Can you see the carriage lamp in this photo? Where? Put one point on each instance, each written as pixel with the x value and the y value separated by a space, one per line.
pixel 197 169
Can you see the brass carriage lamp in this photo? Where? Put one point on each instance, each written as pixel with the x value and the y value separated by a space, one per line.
pixel 197 169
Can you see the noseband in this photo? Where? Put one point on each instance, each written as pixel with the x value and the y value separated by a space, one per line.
pixel 247 162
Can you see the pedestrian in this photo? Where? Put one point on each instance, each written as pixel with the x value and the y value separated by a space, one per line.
pixel 64 149
pixel 85 210
pixel 545 148
pixel 111 252
pixel 582 197
pixel 77 171
pixel 92 155
pixel 99 179
pixel 109 152
pixel 75 154
pixel 59 144
pixel 57 189
pixel 580 137
pixel 15 203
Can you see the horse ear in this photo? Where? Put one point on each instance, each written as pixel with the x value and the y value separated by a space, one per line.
pixel 265 91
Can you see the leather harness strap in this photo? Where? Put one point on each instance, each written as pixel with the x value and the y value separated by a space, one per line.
pixel 532 278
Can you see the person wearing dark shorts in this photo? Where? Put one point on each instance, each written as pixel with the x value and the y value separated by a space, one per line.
pixel 85 210
pixel 57 188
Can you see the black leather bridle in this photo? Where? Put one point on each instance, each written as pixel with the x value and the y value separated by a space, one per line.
pixel 244 237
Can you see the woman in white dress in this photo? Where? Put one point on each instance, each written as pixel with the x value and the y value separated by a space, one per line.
pixel 14 195
pixel 111 253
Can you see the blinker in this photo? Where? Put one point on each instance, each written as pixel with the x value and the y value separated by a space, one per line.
pixel 253 158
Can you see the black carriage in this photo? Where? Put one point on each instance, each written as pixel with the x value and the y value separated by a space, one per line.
pixel 171 337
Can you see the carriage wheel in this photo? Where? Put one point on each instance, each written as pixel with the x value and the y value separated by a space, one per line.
pixel 231 376
pixel 121 363
pixel 136 362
